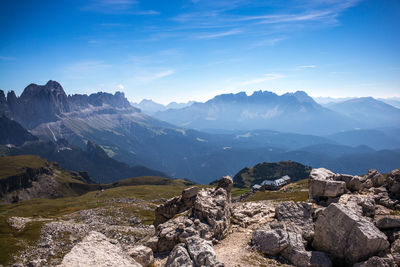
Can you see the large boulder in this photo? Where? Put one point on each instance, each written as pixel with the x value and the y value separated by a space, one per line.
pixel 97 250
pixel 323 185
pixel 298 214
pixel 393 183
pixel 377 178
pixel 270 242
pixel 141 254
pixel 297 254
pixel 179 257
pixel 377 262
pixel 363 205
pixel 201 252
pixel 387 221
pixel 346 235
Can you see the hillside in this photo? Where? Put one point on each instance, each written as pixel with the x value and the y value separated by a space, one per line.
pixel 13 133
pixel 27 177
pixel 270 171
pixel 94 160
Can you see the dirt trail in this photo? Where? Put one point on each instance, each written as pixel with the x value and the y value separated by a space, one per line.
pixel 235 251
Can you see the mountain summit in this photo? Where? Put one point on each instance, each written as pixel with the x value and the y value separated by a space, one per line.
pixel 47 103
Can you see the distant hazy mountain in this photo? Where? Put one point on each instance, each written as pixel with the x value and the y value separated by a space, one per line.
pixel 329 100
pixel 150 107
pixel 291 112
pixel 387 138
pixel 394 101
pixel 368 112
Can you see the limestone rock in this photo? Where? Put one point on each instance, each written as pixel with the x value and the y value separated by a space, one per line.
pixel 297 213
pixel 346 235
pixel 211 210
pixel 376 178
pixel 376 262
pixel 175 205
pixel 142 255
pixel 323 185
pixel 179 257
pixel 393 183
pixel 270 242
pixel 387 221
pixel 395 250
pixel 202 252
pixel 363 205
pixel 96 250
pixel 295 251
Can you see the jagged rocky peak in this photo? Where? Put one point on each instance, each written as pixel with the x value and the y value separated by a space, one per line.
pixel 3 103
pixel 38 104
pixel 117 100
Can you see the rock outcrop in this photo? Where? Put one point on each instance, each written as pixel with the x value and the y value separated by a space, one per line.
pixel 205 213
pixel 323 185
pixel 347 220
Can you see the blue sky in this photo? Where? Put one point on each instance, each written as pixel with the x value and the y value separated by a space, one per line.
pixel 194 49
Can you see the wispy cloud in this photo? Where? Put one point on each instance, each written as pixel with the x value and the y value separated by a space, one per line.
pixel 147 77
pixel 268 42
pixel 217 34
pixel 264 78
pixel 302 67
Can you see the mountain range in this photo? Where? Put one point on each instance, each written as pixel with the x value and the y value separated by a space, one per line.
pixel 150 107
pixel 291 112
pixel 232 131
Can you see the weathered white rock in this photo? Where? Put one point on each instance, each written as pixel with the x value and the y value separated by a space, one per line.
pixel 211 209
pixel 201 252
pixel 298 214
pixel 270 242
pixel 376 178
pixel 96 250
pixel 141 254
pixel 347 235
pixel 376 262
pixel 387 221
pixel 323 185
pixel 395 250
pixel 179 257
pixel 17 223
pixel 175 205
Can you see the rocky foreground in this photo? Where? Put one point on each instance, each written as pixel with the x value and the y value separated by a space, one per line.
pixel 347 221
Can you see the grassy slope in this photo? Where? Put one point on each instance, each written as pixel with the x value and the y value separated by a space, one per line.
pixel 295 191
pixel 12 241
pixel 16 165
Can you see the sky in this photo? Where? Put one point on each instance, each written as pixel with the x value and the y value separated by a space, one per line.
pixel 195 49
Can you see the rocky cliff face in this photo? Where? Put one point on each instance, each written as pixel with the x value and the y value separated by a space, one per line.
pixel 46 103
